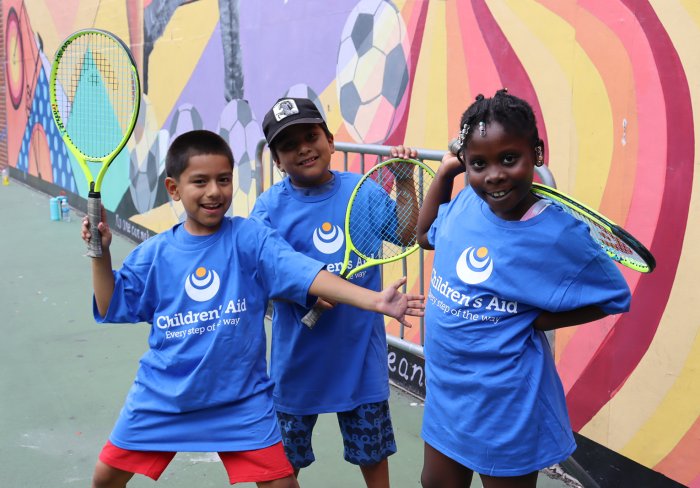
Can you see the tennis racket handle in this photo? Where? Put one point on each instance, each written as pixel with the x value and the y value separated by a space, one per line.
pixel 312 316
pixel 94 212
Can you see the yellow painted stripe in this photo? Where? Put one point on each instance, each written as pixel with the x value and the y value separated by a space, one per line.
pixel 427 123
pixel 676 413
pixel 692 8
pixel 177 52
pixel 111 16
pixel 533 30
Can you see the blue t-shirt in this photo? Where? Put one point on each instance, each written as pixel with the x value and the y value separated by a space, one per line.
pixel 342 362
pixel 488 370
pixel 203 384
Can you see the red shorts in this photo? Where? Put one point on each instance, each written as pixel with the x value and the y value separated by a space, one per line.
pixel 259 465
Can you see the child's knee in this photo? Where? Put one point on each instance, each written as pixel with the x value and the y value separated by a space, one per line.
pixel 428 479
pixel 106 476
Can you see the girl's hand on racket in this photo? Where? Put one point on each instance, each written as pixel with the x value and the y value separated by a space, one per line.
pixel 398 305
pixel 103 227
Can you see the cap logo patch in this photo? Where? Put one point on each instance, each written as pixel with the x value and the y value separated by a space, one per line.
pixel 285 108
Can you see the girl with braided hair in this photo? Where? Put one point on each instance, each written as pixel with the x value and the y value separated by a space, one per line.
pixel 507 267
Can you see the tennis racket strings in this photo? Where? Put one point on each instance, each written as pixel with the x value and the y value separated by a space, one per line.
pixel 97 91
pixel 403 186
pixel 617 243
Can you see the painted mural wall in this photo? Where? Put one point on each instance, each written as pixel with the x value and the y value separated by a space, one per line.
pixel 614 84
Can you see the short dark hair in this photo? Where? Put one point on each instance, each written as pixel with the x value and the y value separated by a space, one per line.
pixel 194 143
pixel 513 113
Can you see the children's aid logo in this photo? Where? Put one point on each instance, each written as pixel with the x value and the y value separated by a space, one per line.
pixel 474 265
pixel 328 238
pixel 202 285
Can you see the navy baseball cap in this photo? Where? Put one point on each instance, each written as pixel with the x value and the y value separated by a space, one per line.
pixel 287 112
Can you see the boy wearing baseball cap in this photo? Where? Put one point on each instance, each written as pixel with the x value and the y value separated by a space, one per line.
pixel 339 366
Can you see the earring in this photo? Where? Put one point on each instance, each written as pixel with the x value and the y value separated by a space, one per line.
pixel 540 156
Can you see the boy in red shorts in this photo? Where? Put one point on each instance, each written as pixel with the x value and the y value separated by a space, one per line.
pixel 204 286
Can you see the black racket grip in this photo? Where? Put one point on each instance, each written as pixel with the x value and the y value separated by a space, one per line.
pixel 312 316
pixel 94 212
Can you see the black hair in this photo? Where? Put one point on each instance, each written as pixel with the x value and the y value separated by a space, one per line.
pixel 513 113
pixel 273 148
pixel 194 143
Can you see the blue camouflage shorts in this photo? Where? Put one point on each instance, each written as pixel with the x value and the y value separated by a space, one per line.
pixel 368 436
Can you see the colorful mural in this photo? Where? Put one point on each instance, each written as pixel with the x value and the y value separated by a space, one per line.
pixel 613 83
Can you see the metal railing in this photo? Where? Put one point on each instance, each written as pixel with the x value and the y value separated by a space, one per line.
pixel 365 151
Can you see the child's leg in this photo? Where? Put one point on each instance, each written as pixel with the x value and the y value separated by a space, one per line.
pixel 525 481
pixel 376 475
pixel 116 466
pixel 105 476
pixel 296 436
pixel 368 438
pixel 268 467
pixel 440 471
pixel 288 482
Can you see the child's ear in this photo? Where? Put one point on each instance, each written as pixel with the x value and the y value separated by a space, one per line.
pixel 331 143
pixel 171 187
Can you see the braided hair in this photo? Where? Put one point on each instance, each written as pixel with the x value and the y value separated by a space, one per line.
pixel 513 113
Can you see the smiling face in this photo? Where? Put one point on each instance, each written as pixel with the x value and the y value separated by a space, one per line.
pixel 500 168
pixel 205 189
pixel 303 151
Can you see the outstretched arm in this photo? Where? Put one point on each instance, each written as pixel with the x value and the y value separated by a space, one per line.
pixel 389 301
pixel 440 192
pixel 102 277
pixel 557 320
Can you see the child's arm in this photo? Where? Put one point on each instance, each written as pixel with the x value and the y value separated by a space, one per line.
pixel 389 301
pixel 440 192
pixel 102 277
pixel 405 196
pixel 557 320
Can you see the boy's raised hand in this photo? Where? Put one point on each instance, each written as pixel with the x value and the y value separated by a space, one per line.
pixel 398 305
pixel 103 227
pixel 404 152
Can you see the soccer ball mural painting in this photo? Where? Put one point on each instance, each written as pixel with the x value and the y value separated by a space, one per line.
pixel 241 130
pixel 147 150
pixel 372 70
pixel 185 119
pixel 302 90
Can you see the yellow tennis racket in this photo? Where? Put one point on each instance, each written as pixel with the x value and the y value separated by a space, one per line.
pixel 619 244
pixel 381 218
pixel 95 95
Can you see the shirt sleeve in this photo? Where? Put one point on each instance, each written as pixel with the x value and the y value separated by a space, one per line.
pixel 287 274
pixel 432 231
pixel 131 301
pixel 260 212
pixel 599 283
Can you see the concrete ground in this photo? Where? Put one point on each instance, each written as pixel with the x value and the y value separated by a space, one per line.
pixel 63 378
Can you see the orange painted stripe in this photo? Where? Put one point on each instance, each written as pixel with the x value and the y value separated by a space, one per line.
pixel 682 462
